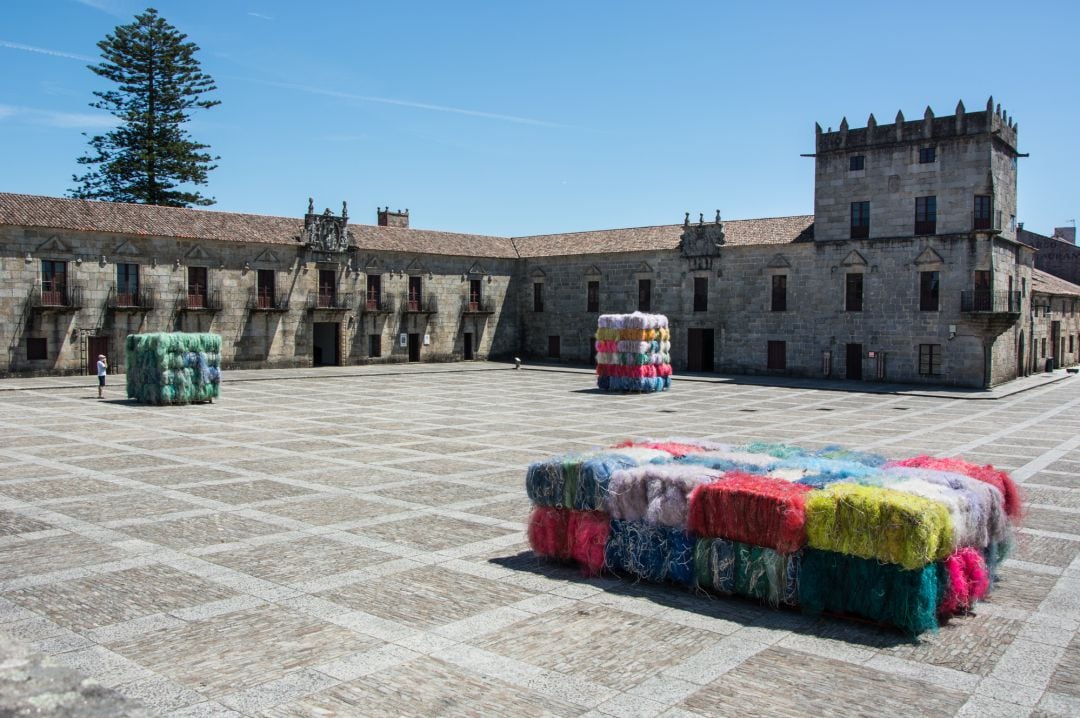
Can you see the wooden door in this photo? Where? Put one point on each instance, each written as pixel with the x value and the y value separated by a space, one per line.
pixel 468 346
pixel 854 361
pixel 414 347
pixel 95 346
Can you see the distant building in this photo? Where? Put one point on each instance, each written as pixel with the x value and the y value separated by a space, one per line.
pixel 912 269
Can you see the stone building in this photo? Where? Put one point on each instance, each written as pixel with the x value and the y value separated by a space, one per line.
pixel 911 269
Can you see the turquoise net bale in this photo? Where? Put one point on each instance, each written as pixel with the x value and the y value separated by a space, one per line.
pixel 173 368
pixel 877 591
pixel 580 480
pixel 732 567
pixel 654 553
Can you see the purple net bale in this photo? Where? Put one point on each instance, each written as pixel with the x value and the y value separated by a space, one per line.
pixel 655 493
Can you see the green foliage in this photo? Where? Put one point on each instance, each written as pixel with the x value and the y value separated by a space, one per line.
pixel 158 82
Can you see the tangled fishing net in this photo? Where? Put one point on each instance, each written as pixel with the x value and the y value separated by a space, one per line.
pixel 633 352
pixel 173 368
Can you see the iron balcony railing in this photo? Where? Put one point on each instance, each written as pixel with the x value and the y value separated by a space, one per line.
pixel 330 301
pixel 267 301
pixel 984 223
pixel 416 304
pixel 57 297
pixel 477 305
pixel 379 304
pixel 139 300
pixel 198 298
pixel 990 302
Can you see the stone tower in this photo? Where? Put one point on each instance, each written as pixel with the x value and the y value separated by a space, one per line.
pixel 935 176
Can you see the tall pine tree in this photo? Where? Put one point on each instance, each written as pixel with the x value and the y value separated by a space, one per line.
pixel 150 154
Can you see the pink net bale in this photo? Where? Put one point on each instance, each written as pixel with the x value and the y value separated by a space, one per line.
pixel 752 509
pixel 587 536
pixel 548 532
pixel 988 474
pixel 965 579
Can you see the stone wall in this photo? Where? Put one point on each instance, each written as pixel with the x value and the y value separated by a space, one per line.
pixel 252 337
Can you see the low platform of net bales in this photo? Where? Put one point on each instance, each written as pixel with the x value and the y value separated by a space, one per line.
pixel 905 543
pixel 633 353
pixel 173 368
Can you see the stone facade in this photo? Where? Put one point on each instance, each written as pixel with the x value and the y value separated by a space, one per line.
pixel 956 301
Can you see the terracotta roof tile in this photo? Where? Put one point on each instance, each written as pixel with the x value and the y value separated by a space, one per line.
pixel 740 232
pixel 1049 284
pixel 151 221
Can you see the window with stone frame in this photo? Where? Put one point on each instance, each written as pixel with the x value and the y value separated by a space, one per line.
pixel 926 215
pixel 927 155
pixel 127 284
pixel 373 292
pixel 197 289
pixel 778 299
pixel 53 282
pixel 592 296
pixel 929 359
pixel 644 295
pixel 929 291
pixel 37 348
pixel 856 163
pixel 538 296
pixel 853 292
pixel 860 220
pixel 701 294
pixel 983 212
pixel 264 288
pixel 776 358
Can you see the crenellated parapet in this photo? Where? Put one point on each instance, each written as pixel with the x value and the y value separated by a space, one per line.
pixel 992 121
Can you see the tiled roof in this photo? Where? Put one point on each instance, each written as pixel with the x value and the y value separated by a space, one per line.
pixel 151 221
pixel 739 232
pixel 1049 284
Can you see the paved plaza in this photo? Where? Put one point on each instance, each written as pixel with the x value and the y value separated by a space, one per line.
pixel 355 546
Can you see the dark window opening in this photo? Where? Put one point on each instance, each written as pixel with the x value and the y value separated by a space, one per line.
pixel 779 293
pixel 927 155
pixel 127 285
pixel 538 296
pixel 853 294
pixel 476 288
pixel 860 220
pixel 777 357
pixel 982 212
pixel 926 215
pixel 701 294
pixel 264 288
pixel 592 297
pixel 37 348
pixel 644 295
pixel 929 291
pixel 373 296
pixel 374 345
pixel 982 299
pixel 53 282
pixel 196 287
pixel 856 163
pixel 554 350
pixel 930 359
pixel 416 293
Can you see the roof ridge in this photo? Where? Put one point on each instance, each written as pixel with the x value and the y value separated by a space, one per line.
pixel 657 226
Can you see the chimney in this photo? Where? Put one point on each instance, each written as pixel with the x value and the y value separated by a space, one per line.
pixel 1066 233
pixel 393 219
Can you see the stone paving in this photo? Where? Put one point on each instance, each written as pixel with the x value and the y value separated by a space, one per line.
pixel 354 545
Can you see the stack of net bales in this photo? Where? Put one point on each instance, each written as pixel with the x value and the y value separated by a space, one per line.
pixel 633 352
pixel 173 368
pixel 905 543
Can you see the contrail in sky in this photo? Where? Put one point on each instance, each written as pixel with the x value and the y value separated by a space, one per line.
pixel 46 51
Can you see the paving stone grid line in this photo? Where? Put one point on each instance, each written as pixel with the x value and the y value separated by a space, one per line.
pixel 356 545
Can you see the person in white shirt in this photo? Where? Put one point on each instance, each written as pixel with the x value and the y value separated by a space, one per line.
pixel 102 369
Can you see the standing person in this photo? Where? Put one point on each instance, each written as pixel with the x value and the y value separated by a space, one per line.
pixel 102 369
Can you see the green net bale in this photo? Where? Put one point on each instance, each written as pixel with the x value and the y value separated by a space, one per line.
pixel 173 368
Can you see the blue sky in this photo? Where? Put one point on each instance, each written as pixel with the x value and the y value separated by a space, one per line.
pixel 510 117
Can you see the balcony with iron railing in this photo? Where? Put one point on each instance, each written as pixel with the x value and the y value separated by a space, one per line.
pixel 982 223
pixel 265 300
pixel 376 304
pixel 142 299
pixel 416 304
pixel 477 305
pixel 200 299
pixel 56 297
pixel 985 301
pixel 325 301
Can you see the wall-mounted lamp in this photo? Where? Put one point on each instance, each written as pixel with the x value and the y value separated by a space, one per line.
pixel 247 266
pixel 29 259
pixel 153 262
pixel 103 261
pixel 176 264
pixel 78 261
